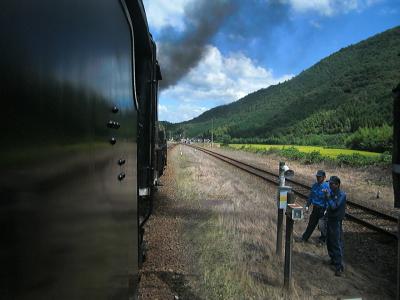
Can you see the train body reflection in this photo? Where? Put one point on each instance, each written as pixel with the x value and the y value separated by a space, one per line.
pixel 74 79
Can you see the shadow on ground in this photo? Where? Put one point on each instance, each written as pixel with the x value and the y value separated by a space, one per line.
pixel 177 283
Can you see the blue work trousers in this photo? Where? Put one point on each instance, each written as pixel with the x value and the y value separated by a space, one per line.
pixel 335 242
pixel 316 214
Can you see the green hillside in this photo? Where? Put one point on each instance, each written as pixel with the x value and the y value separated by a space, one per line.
pixel 344 100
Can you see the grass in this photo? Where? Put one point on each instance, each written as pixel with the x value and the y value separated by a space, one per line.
pixel 218 262
pixel 327 152
pixel 232 232
pixel 313 154
pixel 220 231
pixel 211 242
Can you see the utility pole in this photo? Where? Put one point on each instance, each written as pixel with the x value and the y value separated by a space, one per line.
pixel 212 133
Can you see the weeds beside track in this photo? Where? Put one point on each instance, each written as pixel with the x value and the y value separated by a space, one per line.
pixel 365 216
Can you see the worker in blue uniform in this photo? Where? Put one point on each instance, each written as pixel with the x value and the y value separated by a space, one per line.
pixel 336 206
pixel 317 200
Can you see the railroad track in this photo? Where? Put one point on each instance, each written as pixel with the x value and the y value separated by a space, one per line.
pixel 365 216
pixel 171 145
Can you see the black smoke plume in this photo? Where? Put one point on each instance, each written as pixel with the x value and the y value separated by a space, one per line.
pixel 178 55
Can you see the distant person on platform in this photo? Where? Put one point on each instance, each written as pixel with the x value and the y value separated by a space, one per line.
pixel 318 202
pixel 336 207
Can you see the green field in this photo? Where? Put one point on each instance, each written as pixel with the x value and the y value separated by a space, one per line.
pixel 327 152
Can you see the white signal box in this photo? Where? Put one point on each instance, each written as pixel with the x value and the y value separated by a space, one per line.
pixel 295 211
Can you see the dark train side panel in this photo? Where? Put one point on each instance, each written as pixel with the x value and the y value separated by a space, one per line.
pixel 68 209
pixel 396 146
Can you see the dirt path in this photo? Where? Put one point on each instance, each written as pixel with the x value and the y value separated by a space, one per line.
pixel 212 236
pixel 165 271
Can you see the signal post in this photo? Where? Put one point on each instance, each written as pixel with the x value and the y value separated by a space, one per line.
pixel 286 203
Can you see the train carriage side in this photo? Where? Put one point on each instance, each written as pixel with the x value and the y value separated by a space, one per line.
pixel 147 137
pixel 159 140
pixel 161 152
pixel 396 170
pixel 146 133
pixel 68 156
pixel 396 146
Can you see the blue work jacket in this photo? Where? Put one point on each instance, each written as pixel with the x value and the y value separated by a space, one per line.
pixel 317 196
pixel 336 203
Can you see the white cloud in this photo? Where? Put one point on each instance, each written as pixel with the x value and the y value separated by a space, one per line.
pixel 388 11
pixel 315 24
pixel 330 7
pixel 162 109
pixel 184 111
pixel 217 80
pixel 322 6
pixel 161 13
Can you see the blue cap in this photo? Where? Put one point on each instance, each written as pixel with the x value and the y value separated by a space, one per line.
pixel 320 173
pixel 334 179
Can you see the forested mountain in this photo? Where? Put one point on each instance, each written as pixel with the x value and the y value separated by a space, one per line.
pixel 343 100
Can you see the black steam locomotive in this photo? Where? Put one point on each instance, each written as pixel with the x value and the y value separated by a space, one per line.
pixel 396 146
pixel 81 151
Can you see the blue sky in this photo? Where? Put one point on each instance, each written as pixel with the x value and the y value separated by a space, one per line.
pixel 214 52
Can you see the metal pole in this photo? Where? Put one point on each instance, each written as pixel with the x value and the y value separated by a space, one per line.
pixel 281 173
pixel 279 233
pixel 288 253
pixel 287 274
pixel 279 227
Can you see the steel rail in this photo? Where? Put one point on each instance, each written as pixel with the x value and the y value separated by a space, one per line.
pixel 273 178
pixel 171 146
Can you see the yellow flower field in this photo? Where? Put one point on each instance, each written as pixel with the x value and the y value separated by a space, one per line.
pixel 328 152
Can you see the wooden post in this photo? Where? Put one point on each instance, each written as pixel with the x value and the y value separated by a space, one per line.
pixel 287 276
